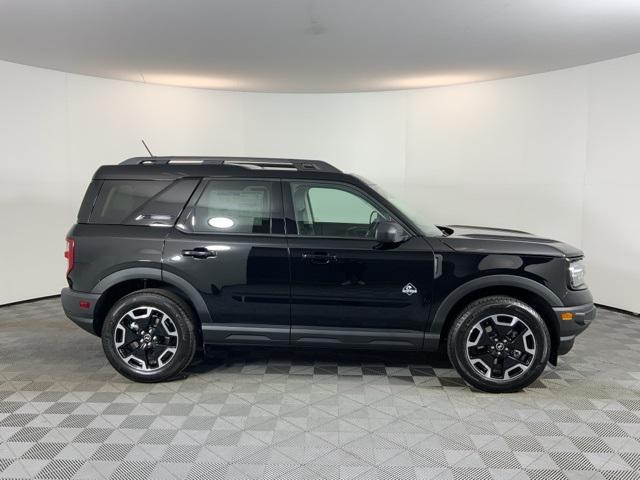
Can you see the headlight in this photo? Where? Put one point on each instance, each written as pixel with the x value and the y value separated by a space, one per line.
pixel 576 273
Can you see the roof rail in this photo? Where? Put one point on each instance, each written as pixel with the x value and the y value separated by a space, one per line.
pixel 245 162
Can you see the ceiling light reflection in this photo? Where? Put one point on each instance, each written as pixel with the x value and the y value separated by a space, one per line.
pixel 218 248
pixel 221 222
pixel 195 81
pixel 426 81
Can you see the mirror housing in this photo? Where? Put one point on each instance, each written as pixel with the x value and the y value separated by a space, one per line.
pixel 389 232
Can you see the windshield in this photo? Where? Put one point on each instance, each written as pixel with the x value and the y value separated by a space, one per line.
pixel 428 228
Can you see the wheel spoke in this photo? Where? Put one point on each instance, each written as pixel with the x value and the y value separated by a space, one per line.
pixel 130 347
pixel 141 356
pixel 167 341
pixel 523 358
pixel 497 367
pixel 155 318
pixel 167 326
pixel 161 330
pixel 150 357
pixel 479 351
pixel 489 327
pixel 516 332
pixel 166 356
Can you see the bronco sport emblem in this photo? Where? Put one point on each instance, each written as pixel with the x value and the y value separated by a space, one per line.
pixel 409 289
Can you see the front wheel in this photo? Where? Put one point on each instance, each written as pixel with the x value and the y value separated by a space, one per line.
pixel 499 344
pixel 148 336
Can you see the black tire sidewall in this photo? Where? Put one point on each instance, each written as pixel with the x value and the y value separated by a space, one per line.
pixel 482 309
pixel 183 323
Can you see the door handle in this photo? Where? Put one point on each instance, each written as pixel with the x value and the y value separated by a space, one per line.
pixel 198 252
pixel 319 257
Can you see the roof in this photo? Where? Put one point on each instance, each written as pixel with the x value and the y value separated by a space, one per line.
pixel 247 162
pixel 171 167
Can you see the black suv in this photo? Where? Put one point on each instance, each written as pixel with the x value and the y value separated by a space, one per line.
pixel 174 253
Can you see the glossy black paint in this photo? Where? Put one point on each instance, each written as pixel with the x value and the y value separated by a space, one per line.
pixel 355 296
pixel 493 263
pixel 349 291
pixel 245 285
pixel 101 250
pixel 284 288
pixel 244 280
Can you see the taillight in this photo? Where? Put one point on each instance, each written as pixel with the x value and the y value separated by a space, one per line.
pixel 70 253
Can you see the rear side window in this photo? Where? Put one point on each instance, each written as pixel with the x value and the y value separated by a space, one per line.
pixel 119 199
pixel 234 206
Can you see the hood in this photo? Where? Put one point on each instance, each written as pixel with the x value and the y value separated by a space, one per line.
pixel 465 238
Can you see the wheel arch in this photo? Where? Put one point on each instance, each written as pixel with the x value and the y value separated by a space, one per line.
pixel 529 291
pixel 123 282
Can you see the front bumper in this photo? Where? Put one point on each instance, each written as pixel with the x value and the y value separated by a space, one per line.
pixel 571 322
pixel 79 307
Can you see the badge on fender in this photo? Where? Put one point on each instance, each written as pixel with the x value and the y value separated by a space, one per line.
pixel 409 289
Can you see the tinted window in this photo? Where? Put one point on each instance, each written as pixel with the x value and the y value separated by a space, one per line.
pixel 164 208
pixel 332 210
pixel 118 199
pixel 234 206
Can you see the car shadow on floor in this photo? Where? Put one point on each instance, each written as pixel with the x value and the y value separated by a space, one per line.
pixel 279 360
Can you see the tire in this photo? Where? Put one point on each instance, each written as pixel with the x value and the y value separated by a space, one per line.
pixel 149 336
pixel 477 349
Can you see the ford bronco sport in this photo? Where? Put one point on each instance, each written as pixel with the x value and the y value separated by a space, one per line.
pixel 170 254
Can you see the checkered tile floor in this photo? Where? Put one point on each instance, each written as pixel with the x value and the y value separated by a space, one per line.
pixel 64 413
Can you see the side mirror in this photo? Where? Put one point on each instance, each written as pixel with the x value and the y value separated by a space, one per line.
pixel 389 232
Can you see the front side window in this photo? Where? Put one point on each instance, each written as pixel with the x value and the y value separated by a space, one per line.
pixel 234 206
pixel 330 210
pixel 416 216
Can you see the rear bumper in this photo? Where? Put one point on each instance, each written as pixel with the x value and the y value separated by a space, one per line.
pixel 80 315
pixel 572 321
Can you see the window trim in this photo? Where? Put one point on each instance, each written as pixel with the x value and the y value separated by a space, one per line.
pixel 289 213
pixel 184 226
pixel 89 201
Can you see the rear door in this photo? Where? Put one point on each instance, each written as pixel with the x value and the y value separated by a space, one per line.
pixel 346 288
pixel 229 244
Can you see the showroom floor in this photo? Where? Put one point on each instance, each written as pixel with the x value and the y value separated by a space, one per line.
pixel 64 413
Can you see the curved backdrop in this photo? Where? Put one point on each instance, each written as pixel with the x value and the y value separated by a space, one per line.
pixel 557 154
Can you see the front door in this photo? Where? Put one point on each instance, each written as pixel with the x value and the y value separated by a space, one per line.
pixel 229 244
pixel 346 288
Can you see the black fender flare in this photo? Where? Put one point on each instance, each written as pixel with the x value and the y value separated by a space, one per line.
pixel 137 273
pixel 441 314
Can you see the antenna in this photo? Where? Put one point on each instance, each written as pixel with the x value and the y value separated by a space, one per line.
pixel 145 146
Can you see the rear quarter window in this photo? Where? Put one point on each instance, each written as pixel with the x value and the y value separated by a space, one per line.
pixel 119 199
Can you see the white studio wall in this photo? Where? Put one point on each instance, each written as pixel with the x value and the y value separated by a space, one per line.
pixel 555 154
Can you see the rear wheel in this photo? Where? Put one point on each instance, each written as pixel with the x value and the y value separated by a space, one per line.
pixel 148 336
pixel 499 344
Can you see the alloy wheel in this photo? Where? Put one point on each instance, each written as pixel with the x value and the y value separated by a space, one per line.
pixel 146 338
pixel 500 347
